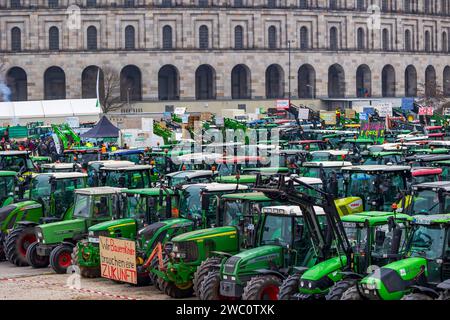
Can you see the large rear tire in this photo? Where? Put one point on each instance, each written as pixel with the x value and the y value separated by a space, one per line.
pixel 262 287
pixel 416 296
pixel 351 293
pixel 60 258
pixel 173 291
pixel 210 287
pixel 338 289
pixel 17 243
pixel 202 271
pixel 35 260
pixel 289 287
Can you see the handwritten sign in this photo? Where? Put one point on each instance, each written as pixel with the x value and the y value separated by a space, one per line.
pixel 372 130
pixel 118 259
pixel 329 117
pixel 350 114
pixel 282 104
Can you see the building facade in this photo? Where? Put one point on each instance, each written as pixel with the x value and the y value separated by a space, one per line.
pixel 226 51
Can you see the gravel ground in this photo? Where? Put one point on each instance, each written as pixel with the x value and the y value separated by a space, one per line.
pixel 26 283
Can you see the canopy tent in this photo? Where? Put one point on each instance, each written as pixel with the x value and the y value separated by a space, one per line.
pixel 103 129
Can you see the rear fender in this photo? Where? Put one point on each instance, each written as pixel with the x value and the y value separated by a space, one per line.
pixel 27 223
pixel 425 290
pixel 270 272
pixel 351 275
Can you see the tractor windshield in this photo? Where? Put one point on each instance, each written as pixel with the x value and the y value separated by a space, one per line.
pixel 82 206
pixel 134 157
pixel 385 236
pixel 357 236
pixel 190 202
pixel 40 188
pixel 378 190
pixel 128 179
pixel 138 205
pixel 390 159
pixel 233 211
pixel 428 242
pixel 428 202
pixel 277 230
pixel 15 163
pixel 7 185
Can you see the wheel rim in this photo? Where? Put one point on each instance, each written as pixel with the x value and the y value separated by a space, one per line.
pixel 64 259
pixel 25 243
pixel 270 293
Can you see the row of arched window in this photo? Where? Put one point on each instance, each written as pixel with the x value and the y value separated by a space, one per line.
pixel 239 38
pixel 241 82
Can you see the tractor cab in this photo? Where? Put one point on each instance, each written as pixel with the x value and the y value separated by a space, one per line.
pixel 196 161
pixel 309 145
pixel 356 145
pixel 93 169
pixel 163 161
pixel 430 198
pixel 425 174
pixel 179 178
pixel 425 267
pixel 131 177
pixel 82 155
pixel 445 166
pixel 59 167
pixel 231 165
pixel 290 158
pixel 133 155
pixel 384 158
pixel 38 161
pixel 18 161
pixel 422 160
pixel 378 186
pixel 329 155
pixel 8 182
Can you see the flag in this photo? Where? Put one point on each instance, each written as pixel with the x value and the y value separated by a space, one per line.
pixel 97 104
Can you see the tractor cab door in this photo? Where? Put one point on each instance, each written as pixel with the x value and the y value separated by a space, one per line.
pixel 302 252
pixel 102 208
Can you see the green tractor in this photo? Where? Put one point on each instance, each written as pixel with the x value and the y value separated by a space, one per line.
pixel 59 167
pixel 49 199
pixel 375 238
pixel 55 241
pixel 93 169
pixel 288 239
pixel 422 275
pixel 131 177
pixel 194 253
pixel 143 207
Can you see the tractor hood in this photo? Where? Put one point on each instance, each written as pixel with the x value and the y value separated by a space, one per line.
pixel 248 261
pixel 56 232
pixel 107 225
pixel 199 235
pixel 325 268
pixel 19 207
pixel 121 228
pixel 391 281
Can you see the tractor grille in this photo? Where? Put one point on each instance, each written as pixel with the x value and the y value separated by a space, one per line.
pixel 190 249
pixel 230 264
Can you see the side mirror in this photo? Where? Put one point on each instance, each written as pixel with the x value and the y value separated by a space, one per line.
pixel 396 240
pixel 380 236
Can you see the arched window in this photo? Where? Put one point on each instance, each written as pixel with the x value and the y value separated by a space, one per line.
pixel 53 38
pixel 203 37
pixel 130 84
pixel 238 3
pixel 16 79
pixel 408 40
pixel 306 82
pixel 427 41
pixel 333 4
pixel 303 4
pixel 240 82
pixel 360 5
pixel 54 84
pixel 15 4
pixel 363 81
pixel 129 3
pixel 336 81
pixel 166 3
pixel 89 82
pixel 16 39
pixel 360 39
pixel 407 5
pixel 333 38
pixel 53 3
pixel 168 83
pixel 274 82
pixel 385 40
pixel 410 81
pixel 446 81
pixel 91 38
pixel 444 42
pixel 384 5
pixel 238 37
pixel 167 37
pixel 202 3
pixel 205 83
pixel 91 3
pixel 388 81
pixel 304 41
pixel 430 81
pixel 130 41
pixel 272 3
pixel 272 37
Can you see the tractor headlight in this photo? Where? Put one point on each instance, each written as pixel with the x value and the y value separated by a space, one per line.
pixel 175 248
pixel 39 235
pixel 310 285
pixel 91 233
pixel 225 277
pixel 233 278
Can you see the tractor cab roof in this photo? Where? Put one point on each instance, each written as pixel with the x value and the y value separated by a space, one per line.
pixel 431 219
pixel 13 153
pixel 327 164
pixel 137 167
pixel 307 141
pixel 149 191
pixel 249 196
pixel 288 151
pixel 374 168
pixel 435 186
pixel 63 175
pixel 289 210
pixel 428 157
pixel 8 173
pixel 374 217
pixel 332 152
pixel 198 157
pixel 237 159
pixel 442 143
pixel 243 178
pixel 360 140
pixel 112 163
pixel 58 165
pixel 217 187
pixel 425 171
pixel 189 174
pixel 99 190
pixel 127 152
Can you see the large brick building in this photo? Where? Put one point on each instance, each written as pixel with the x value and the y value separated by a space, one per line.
pixel 225 52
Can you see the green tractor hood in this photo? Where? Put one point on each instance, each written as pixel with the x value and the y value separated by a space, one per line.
pixel 391 282
pixel 121 228
pixel 57 232
pixel 20 211
pixel 201 235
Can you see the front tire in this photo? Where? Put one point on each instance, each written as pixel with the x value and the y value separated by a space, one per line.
pixel 416 296
pixel 60 258
pixel 202 271
pixel 338 289
pixel 17 243
pixel 351 293
pixel 210 287
pixel 289 287
pixel 263 287
pixel 85 272
pixel 173 291
pixel 35 260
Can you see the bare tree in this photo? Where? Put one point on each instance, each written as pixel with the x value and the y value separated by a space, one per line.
pixel 431 94
pixel 110 97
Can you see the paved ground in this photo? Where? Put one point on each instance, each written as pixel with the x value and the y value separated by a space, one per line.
pixel 45 284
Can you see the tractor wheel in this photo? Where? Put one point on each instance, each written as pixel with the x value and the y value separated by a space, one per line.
pixel 263 287
pixel 35 260
pixel 289 287
pixel 416 296
pixel 2 253
pixel 351 293
pixel 173 291
pixel 17 243
pixel 60 258
pixel 143 277
pixel 338 289
pixel 85 272
pixel 154 277
pixel 202 271
pixel 210 287
pixel 160 283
